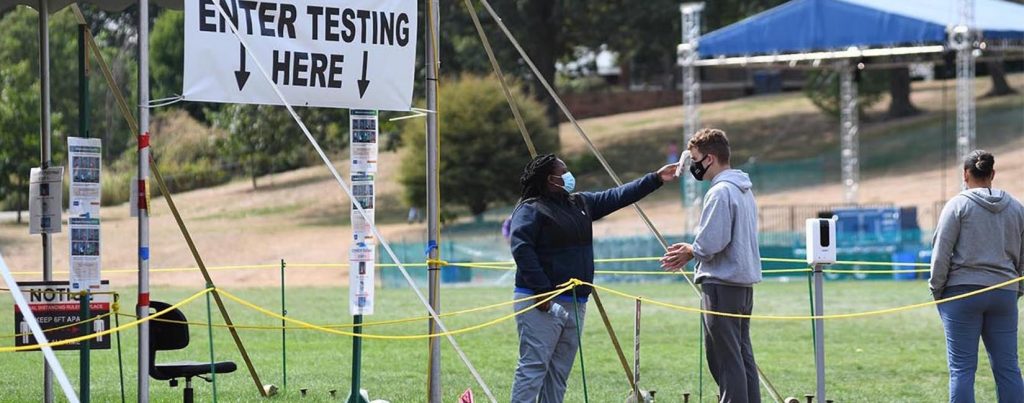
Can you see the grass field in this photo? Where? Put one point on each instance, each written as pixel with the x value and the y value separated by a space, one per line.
pixel 893 358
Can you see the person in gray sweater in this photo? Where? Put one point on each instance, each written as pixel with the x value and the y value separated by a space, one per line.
pixel 728 265
pixel 979 243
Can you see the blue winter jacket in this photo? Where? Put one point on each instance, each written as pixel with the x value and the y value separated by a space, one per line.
pixel 552 239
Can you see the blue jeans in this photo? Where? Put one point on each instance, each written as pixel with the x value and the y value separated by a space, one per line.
pixel 992 316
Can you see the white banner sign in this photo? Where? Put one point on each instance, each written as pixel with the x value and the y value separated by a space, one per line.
pixel 45 200
pixel 322 53
pixel 84 157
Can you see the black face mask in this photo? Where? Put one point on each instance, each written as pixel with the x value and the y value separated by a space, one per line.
pixel 698 169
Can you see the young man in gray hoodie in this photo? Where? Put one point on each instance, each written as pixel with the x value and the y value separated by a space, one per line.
pixel 728 265
pixel 979 243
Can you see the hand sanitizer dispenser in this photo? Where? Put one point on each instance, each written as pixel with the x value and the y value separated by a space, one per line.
pixel 821 241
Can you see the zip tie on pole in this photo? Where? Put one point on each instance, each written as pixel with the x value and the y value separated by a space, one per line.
pixel 438 262
pixel 417 113
pixel 162 102
pixel 359 206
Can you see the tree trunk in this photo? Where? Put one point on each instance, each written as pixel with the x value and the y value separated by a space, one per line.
pixel 542 41
pixel 999 84
pixel 899 91
pixel 20 206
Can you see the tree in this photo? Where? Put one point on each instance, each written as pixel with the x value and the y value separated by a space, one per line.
pixel 552 30
pixel 482 149
pixel 264 139
pixel 822 88
pixel 999 84
pixel 899 93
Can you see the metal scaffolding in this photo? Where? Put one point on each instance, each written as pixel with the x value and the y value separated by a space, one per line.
pixel 962 40
pixel 687 53
pixel 849 126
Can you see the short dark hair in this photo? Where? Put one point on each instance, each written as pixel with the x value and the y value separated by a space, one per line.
pixel 711 141
pixel 980 164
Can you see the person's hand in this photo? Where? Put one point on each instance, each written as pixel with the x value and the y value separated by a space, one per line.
pixel 677 257
pixel 668 172
pixel 545 306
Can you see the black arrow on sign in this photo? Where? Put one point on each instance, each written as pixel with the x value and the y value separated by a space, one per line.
pixel 363 83
pixel 241 75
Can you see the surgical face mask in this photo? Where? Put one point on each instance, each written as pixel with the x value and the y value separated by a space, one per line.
pixel 569 182
pixel 698 169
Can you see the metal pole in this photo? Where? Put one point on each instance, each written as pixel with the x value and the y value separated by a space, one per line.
pixel 819 330
pixel 961 39
pixel 357 352
pixel 848 129
pixel 433 216
pixel 636 355
pixel 284 331
pixel 83 375
pixel 688 55
pixel 83 130
pixel 45 155
pixel 143 173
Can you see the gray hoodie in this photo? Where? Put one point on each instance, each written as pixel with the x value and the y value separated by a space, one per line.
pixel 978 241
pixel 726 244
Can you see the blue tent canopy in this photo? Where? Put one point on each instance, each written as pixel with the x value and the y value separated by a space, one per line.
pixel 823 25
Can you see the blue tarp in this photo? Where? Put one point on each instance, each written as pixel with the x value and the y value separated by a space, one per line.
pixel 821 25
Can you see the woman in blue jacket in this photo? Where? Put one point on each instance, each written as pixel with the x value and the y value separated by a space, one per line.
pixel 552 242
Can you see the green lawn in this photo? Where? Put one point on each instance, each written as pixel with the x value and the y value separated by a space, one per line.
pixel 897 357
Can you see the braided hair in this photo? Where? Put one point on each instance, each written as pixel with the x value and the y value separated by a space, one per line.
pixel 535 176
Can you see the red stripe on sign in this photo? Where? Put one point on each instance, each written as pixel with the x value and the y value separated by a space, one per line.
pixel 144 299
pixel 144 140
pixel 142 195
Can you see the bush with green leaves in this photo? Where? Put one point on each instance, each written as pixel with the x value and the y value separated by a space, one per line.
pixel 482 150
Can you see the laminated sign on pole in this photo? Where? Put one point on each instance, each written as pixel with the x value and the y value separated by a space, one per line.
pixel 359 54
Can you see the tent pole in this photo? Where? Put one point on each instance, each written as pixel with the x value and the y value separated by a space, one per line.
pixel 142 308
pixel 45 155
pixel 433 214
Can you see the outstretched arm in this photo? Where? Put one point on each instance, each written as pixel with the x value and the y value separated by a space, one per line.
pixel 611 200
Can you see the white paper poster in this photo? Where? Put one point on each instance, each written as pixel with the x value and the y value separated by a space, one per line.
pixel 45 201
pixel 363 141
pixel 85 159
pixel 363 145
pixel 363 190
pixel 361 279
pixel 322 53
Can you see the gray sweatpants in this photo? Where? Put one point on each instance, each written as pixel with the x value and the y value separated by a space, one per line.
pixel 547 350
pixel 727 340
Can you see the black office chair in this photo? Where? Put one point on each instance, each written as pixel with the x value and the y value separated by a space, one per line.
pixel 174 336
